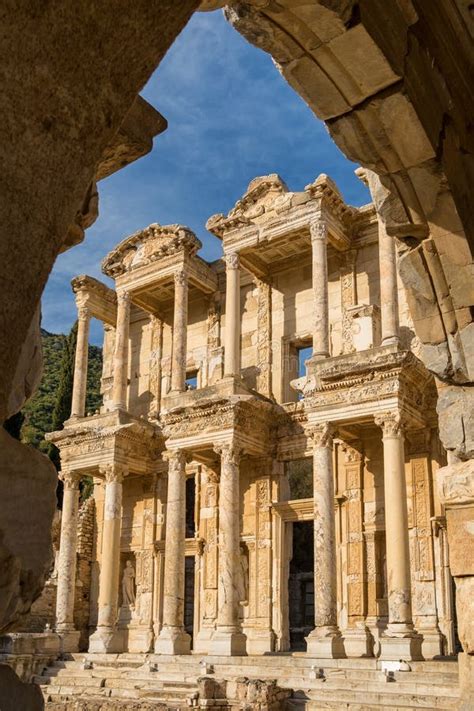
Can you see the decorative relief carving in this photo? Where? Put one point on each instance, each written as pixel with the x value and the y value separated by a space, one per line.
pixel 264 338
pixel 263 492
pixel 155 362
pixel 348 297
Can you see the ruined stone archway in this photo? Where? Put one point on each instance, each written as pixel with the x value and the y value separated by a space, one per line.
pixel 389 80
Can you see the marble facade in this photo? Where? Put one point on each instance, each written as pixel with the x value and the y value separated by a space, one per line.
pixel 204 389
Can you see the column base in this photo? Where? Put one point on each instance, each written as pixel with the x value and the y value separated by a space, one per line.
pixel 432 644
pixel 228 643
pixel 106 640
pixel 260 641
pixel 400 642
pixel 173 640
pixel 325 643
pixel 68 639
pixel 358 642
pixel 140 640
pixel 203 640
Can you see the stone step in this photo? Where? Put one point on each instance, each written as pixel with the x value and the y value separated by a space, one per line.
pixel 374 697
pixel 335 705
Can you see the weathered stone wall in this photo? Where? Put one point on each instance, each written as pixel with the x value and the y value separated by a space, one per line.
pixel 85 541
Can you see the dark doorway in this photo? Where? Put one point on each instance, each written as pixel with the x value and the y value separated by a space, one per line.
pixel 190 507
pixel 301 585
pixel 189 595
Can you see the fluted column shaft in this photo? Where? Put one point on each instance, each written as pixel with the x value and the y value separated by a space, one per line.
pixel 79 387
pixel 121 350
pixel 396 523
pixel 180 327
pixel 67 554
pixel 388 287
pixel 232 316
pixel 319 233
pixel 228 638
pixel 173 639
pixel 324 640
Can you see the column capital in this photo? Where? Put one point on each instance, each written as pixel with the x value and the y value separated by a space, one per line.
pixel 232 260
pixel 70 478
pixel 83 312
pixel 180 278
pixel 175 457
pixel 123 297
pixel 322 434
pixel 229 453
pixel 390 422
pixel 318 229
pixel 113 473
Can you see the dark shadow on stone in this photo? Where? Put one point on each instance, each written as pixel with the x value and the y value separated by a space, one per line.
pixel 15 695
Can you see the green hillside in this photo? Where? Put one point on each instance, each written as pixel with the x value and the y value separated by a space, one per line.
pixel 38 411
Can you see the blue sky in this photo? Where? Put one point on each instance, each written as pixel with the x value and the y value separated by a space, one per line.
pixel 231 118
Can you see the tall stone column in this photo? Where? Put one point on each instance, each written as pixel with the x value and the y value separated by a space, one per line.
pixel 121 351
pixel 388 287
pixel 319 234
pixel 228 638
pixel 232 315
pixel 325 640
pixel 399 640
pixel 173 639
pixel 180 327
pixel 79 387
pixel 66 589
pixel 106 638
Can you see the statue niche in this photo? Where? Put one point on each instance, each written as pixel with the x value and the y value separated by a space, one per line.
pixel 128 585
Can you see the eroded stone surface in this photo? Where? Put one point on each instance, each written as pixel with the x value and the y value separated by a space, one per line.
pixel 25 542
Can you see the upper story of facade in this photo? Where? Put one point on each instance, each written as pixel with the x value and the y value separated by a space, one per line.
pixel 302 274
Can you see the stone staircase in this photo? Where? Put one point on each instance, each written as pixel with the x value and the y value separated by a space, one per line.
pixel 357 684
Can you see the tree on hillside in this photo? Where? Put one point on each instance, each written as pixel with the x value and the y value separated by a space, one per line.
pixel 63 400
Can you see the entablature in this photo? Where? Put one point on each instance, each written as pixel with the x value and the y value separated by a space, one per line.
pixel 245 420
pixel 147 263
pixel 99 299
pixel 269 223
pixel 88 444
pixel 357 386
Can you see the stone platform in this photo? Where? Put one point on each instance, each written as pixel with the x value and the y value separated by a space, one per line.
pixel 177 682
